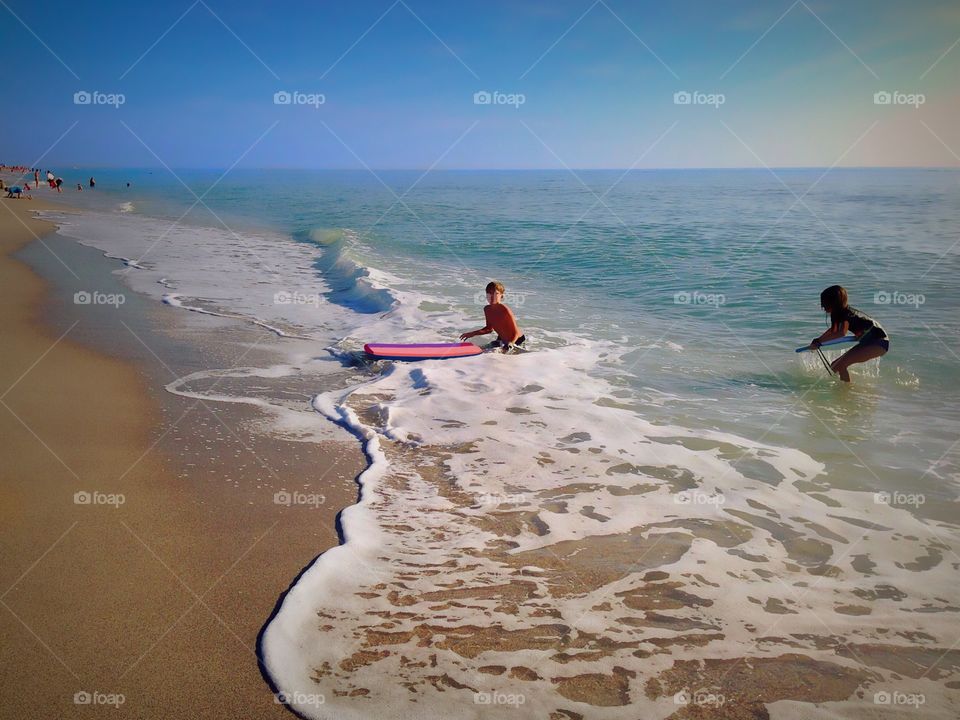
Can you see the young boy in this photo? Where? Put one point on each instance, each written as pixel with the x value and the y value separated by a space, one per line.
pixel 499 319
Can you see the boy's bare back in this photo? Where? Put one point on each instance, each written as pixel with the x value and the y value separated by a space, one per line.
pixel 500 318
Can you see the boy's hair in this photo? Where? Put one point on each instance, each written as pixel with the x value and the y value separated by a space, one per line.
pixel 494 286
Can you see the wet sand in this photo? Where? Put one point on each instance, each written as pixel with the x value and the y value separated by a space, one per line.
pixel 463 612
pixel 162 598
pixel 150 586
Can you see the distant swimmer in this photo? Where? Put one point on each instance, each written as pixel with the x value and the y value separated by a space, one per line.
pixel 499 319
pixel 873 339
pixel 93 183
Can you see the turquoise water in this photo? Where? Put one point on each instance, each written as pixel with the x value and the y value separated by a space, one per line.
pixel 703 281
pixel 661 400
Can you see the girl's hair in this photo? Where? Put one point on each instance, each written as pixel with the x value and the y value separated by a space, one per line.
pixel 494 286
pixel 834 300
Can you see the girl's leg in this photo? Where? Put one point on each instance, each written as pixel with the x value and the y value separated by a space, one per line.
pixel 855 355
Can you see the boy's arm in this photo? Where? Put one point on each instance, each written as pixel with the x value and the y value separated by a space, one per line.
pixel 485 330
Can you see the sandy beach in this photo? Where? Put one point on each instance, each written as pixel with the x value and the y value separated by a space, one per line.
pixel 189 414
pixel 130 578
pixel 480 361
pixel 570 560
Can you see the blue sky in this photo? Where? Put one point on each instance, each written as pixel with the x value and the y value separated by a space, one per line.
pixel 597 80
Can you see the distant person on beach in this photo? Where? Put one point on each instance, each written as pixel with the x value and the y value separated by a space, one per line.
pixel 499 319
pixel 59 184
pixel 50 178
pixel 93 183
pixel 874 341
pixel 36 178
pixel 79 187
pixel 14 191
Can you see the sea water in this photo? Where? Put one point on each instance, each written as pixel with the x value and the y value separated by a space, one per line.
pixel 660 418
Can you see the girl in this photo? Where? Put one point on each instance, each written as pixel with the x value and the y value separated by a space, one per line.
pixel 873 339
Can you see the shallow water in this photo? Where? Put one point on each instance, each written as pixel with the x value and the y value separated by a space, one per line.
pixel 661 411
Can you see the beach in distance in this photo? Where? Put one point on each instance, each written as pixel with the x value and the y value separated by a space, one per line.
pixel 481 363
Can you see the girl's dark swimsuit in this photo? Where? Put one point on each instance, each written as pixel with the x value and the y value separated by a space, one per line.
pixel 871 337
pixel 865 327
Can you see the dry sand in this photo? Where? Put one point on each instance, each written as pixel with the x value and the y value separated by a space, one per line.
pixel 159 599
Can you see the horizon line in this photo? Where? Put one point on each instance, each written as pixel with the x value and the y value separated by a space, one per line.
pixel 518 169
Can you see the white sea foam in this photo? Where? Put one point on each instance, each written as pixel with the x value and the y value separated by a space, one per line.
pixel 259 276
pixel 547 438
pixel 556 426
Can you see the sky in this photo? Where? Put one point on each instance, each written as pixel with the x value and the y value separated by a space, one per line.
pixel 435 84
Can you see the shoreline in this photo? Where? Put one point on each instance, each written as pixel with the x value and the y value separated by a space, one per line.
pixel 479 570
pixel 158 597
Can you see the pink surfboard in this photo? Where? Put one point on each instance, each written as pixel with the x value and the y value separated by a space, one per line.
pixel 421 351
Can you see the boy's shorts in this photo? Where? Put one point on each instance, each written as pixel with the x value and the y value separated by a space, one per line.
pixel 498 343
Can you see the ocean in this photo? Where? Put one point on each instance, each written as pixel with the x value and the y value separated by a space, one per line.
pixel 659 479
